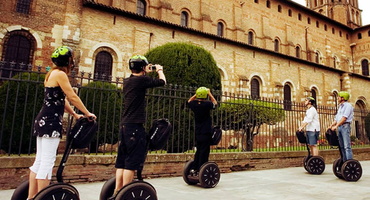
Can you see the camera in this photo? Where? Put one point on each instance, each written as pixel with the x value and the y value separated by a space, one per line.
pixel 152 68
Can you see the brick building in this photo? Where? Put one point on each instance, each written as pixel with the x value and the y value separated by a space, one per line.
pixel 268 48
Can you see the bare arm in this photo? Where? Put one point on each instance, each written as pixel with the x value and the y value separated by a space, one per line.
pixel 72 97
pixel 335 124
pixel 192 98
pixel 161 73
pixel 69 109
pixel 214 101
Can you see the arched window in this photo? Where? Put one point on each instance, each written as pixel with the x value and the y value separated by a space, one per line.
pixel 276 45
pixel 287 97
pixel 314 94
pixel 184 18
pixel 250 38
pixel 365 67
pixel 299 17
pixel 220 29
pixel 290 13
pixel 18 49
pixel 279 9
pixel 23 6
pixel 298 51
pixel 103 66
pixel 141 7
pixel 317 57
pixel 268 4
pixel 255 88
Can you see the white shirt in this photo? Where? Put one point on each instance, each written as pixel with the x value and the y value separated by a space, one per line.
pixel 312 119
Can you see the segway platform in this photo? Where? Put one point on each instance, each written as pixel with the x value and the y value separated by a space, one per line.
pixel 78 137
pixel 312 164
pixel 350 170
pixel 139 189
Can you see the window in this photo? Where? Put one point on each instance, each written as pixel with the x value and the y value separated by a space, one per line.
pixel 317 24
pixel 268 4
pixel 314 94
pixel 220 29
pixel 298 51
pixel 276 45
pixel 141 7
pixel 18 49
pixel 255 88
pixel 287 97
pixel 299 17
pixel 255 1
pixel 333 30
pixel 279 9
pixel 317 57
pixel 359 36
pixel 365 67
pixel 325 27
pixel 290 13
pixel 335 61
pixel 184 18
pixel 250 38
pixel 23 6
pixel 308 20
pixel 103 66
pixel 368 33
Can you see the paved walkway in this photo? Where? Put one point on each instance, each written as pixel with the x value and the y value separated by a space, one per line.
pixel 285 184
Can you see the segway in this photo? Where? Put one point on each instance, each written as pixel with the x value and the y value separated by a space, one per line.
pixel 350 170
pixel 139 189
pixel 209 174
pixel 79 137
pixel 312 164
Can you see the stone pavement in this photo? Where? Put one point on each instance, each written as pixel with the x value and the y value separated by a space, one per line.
pixel 285 184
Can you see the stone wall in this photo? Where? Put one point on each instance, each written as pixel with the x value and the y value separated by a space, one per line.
pixel 92 168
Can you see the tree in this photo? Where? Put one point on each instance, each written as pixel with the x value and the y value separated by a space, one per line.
pixel 187 65
pixel 249 115
pixel 367 125
pixel 21 99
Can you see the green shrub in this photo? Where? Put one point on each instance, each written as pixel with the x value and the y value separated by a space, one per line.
pixel 105 101
pixel 21 99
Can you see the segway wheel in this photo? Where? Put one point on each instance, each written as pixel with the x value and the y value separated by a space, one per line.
pixel 316 165
pixel 137 190
pixel 209 175
pixel 21 192
pixel 186 173
pixel 305 159
pixel 337 167
pixel 108 189
pixel 351 170
pixel 58 191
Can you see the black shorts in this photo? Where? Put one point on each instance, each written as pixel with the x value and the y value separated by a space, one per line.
pixel 132 147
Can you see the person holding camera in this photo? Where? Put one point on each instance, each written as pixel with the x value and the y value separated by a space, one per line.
pixel 312 124
pixel 132 145
pixel 201 108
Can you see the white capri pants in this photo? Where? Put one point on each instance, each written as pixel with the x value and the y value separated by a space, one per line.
pixel 46 151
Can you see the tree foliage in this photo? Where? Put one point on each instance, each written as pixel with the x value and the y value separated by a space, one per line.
pixel 21 99
pixel 187 65
pixel 248 115
pixel 105 101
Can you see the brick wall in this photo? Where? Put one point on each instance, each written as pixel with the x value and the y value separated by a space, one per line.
pixel 92 168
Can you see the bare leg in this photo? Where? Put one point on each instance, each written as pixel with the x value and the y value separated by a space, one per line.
pixel 42 183
pixel 119 180
pixel 128 176
pixel 32 188
pixel 314 150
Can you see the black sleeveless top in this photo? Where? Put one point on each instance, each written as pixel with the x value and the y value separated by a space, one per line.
pixel 48 123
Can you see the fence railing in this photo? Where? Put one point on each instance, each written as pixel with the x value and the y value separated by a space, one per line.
pixel 248 124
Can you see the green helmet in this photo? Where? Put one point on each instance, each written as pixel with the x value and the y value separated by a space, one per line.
pixel 312 100
pixel 61 55
pixel 138 62
pixel 344 94
pixel 202 93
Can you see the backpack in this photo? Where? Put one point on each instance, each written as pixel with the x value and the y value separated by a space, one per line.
pixel 82 133
pixel 332 137
pixel 216 135
pixel 301 137
pixel 159 134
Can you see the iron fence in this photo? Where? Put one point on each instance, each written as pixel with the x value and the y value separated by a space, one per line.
pixel 248 124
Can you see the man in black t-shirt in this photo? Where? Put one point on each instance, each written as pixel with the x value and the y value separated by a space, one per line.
pixel 132 146
pixel 203 125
